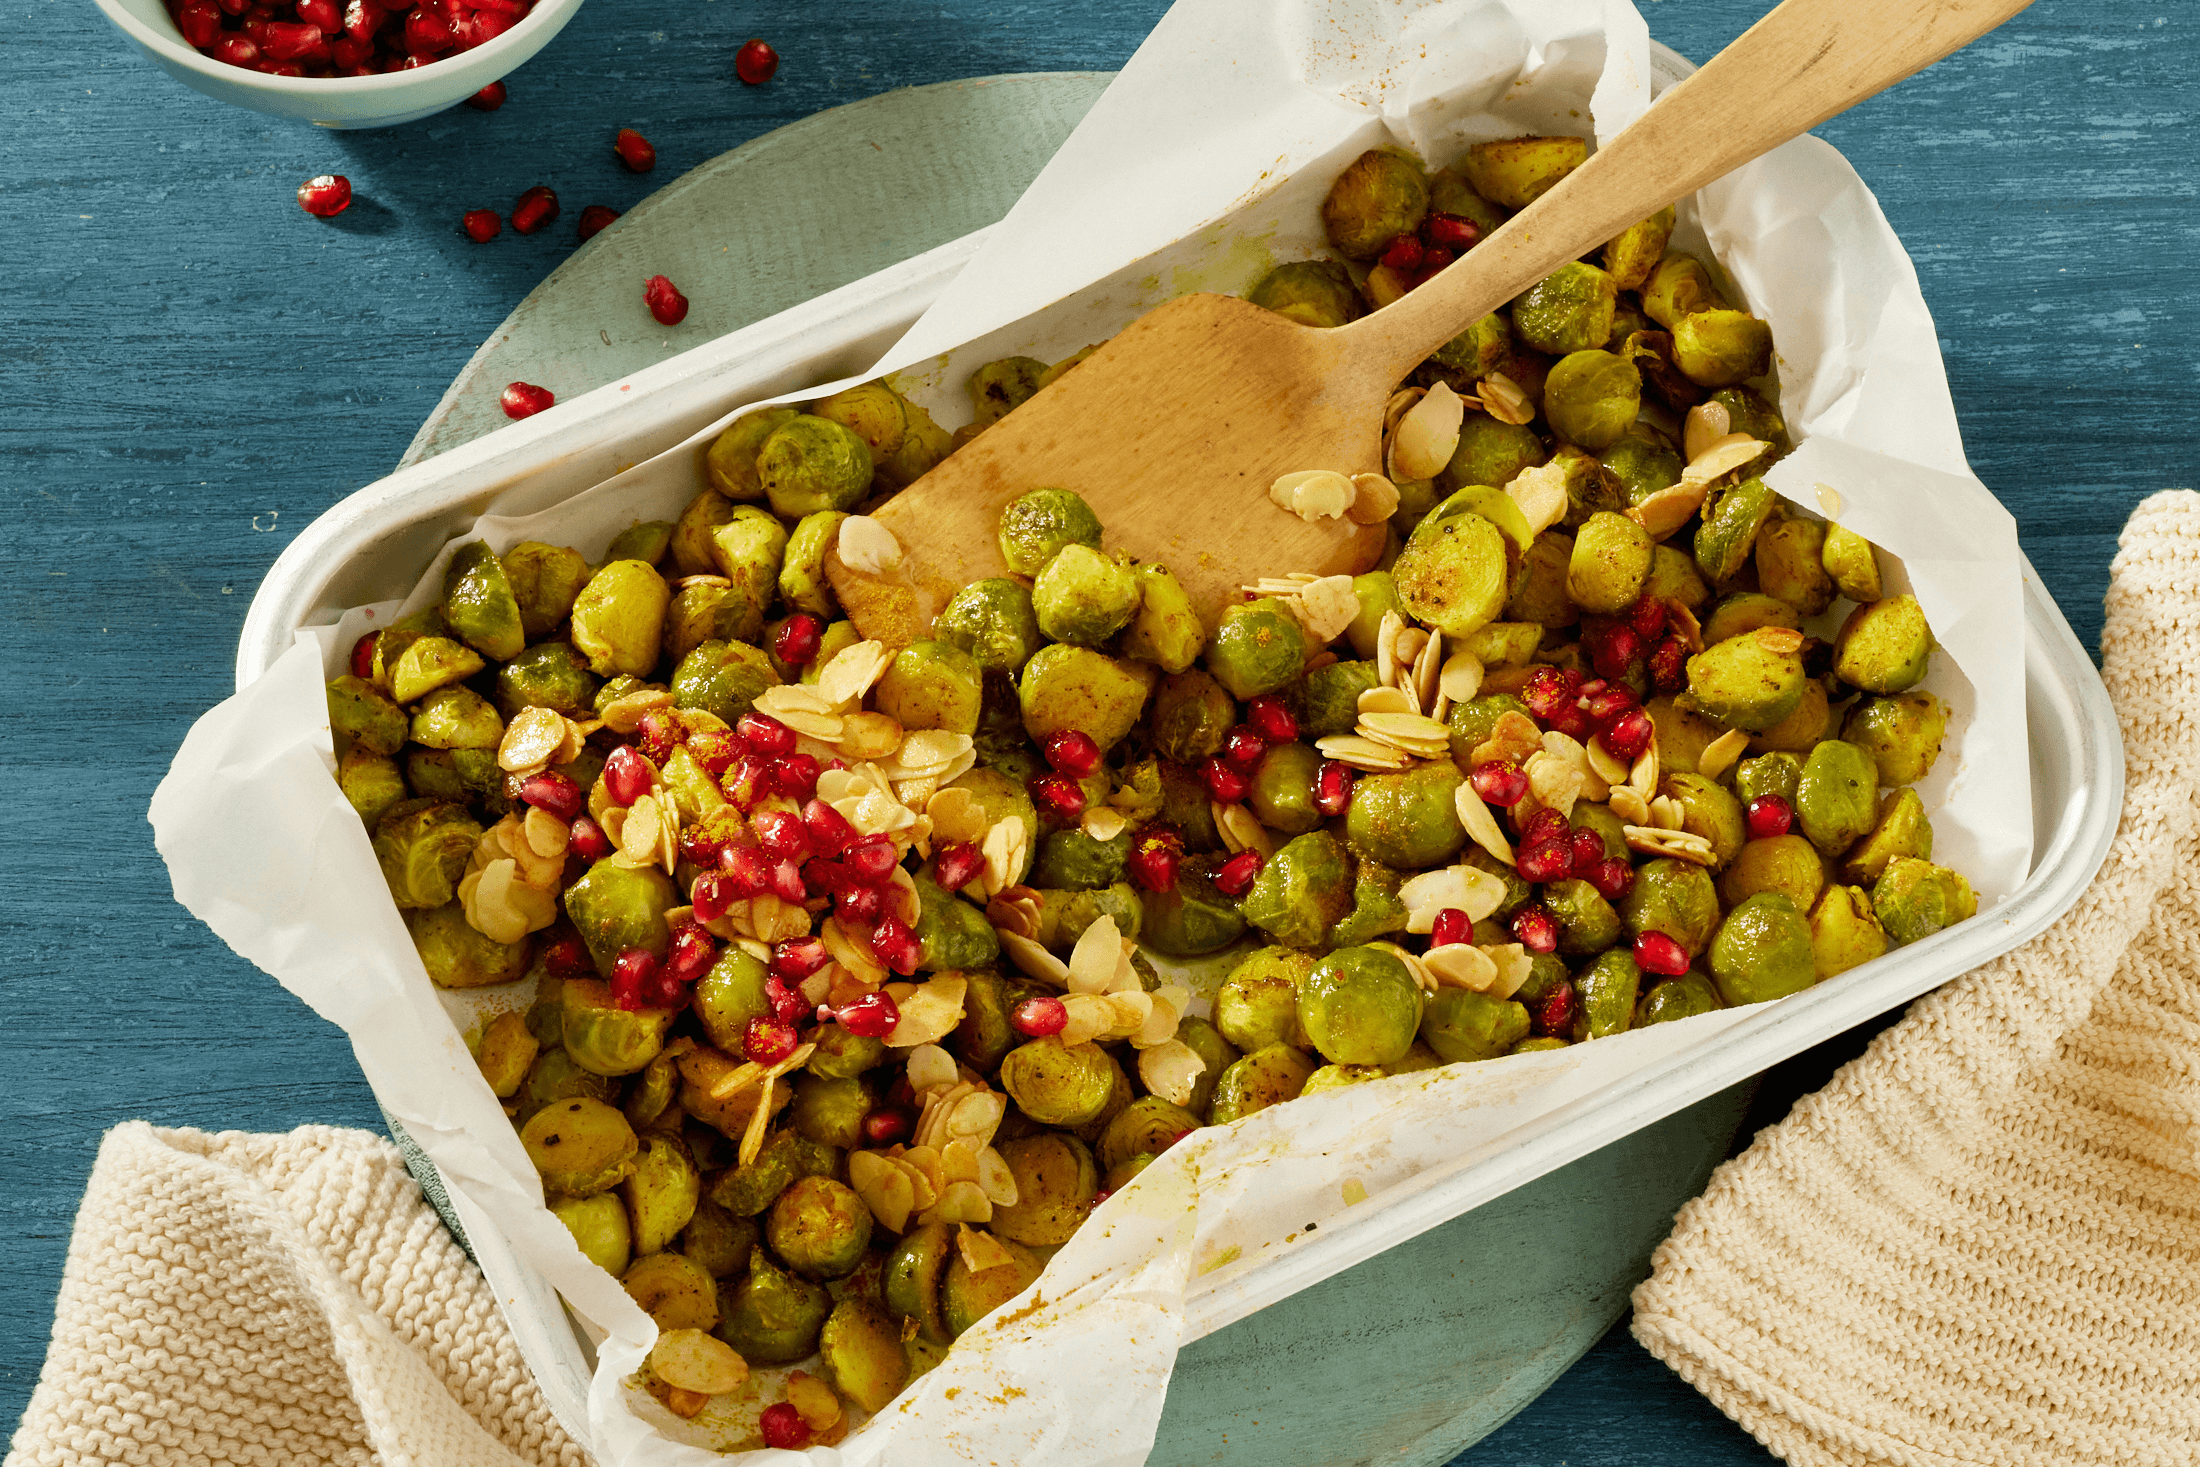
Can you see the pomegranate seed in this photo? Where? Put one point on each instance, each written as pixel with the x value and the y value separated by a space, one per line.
pixel 1451 925
pixel 1770 816
pixel 789 1006
pixel 536 208
pixel 872 858
pixel 1648 617
pixel 1657 953
pixel 829 830
pixel 1153 866
pixel 1234 877
pixel 1500 783
pixel 1536 928
pixel 796 958
pixel 1038 1017
pixel 1102 1195
pixel 1057 795
pixel 200 21
pixel 787 883
pixel 1629 735
pixel 595 219
pixel 1433 259
pixel 362 656
pixel 716 750
pixel 1073 753
pixel 661 990
pixel 1227 785
pixel 1613 650
pixel 627 776
pixel 796 641
pixel 693 952
pixel 1549 690
pixel 1404 254
pixel 634 151
pixel 295 41
pixel 955 864
pixel 362 18
pixel 893 944
pixel 766 735
pixel 629 972
pixel 1669 665
pixel 234 7
pixel 554 793
pixel 665 301
pixel 713 896
pixel 856 905
pixel 1608 702
pixel 795 776
pixel 1613 877
pixel 481 225
pixel 1553 860
pixel 1553 1016
pixel 1242 749
pixel 1333 787
pixel 782 1425
pixel 525 399
pixel 588 840
pixel 755 62
pixel 324 197
pixel 326 16
pixel 349 55
pixel 657 733
pixel 873 1016
pixel 567 957
pixel 1271 720
pixel 747 781
pixel 427 33
pixel 489 98
pixel 887 1125
pixel 1451 232
pixel 746 871
pixel 1588 848
pixel 1546 826
pixel 768 1041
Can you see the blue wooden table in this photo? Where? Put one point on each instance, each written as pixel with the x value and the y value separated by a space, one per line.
pixel 191 369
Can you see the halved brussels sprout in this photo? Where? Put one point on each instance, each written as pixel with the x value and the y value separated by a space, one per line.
pixel 993 621
pixel 1381 194
pixel 723 678
pixel 1461 1024
pixel 457 956
pixel 544 579
pixel 772 1316
pixel 1884 647
pixel 478 603
pixel 1055 1182
pixel 1310 292
pixel 617 907
pixel 1036 526
pixel 1165 630
pixel 662 1194
pixel 581 1146
pixel 619 618
pixel 1591 398
pixel 1515 172
pixel 1722 348
pixel 1268 1076
pixel 1076 687
pixel 1258 647
pixel 605 1038
pixel 810 464
pixel 1301 890
pixel 362 719
pixel 1569 310
pixel 423 848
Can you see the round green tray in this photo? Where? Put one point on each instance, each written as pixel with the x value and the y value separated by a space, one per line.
pixel 1404 1359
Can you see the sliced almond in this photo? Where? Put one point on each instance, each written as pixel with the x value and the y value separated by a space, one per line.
pixel 1171 1070
pixel 1462 888
pixel 1325 607
pixel 1779 641
pixel 867 547
pixel 1096 956
pixel 1719 755
pixel 1104 823
pixel 624 715
pixel 868 736
pixel 1667 510
pixel 1605 764
pixel 1829 500
pixel 1427 435
pixel 1240 830
pixel 1514 738
pixel 1400 403
pixel 531 739
pixel 1461 676
pixel 931 1013
pixel 1424 737
pixel 1643 778
pixel 1504 400
pixel 1555 781
pixel 1629 806
pixel 1374 499
pixel 1031 958
pixel 1666 813
pixel 786 698
pixel 1540 492
pixel 852 671
pixel 1404 653
pixel 1361 753
pixel 1722 456
pixel 1513 965
pixel 1678 844
pixel 1091 1017
pixel 1685 626
pixel 1481 825
pixel 1707 422
pixel 1428 669
pixel 1457 965
pixel 692 1360
pixel 956 815
pixel 1385 700
pixel 1386 648
pixel 1313 495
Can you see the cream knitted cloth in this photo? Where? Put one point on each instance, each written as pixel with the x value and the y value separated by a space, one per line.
pixel 275 1300
pixel 1981 1242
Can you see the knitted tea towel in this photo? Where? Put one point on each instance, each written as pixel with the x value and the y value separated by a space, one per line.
pixel 275 1300
pixel 1981 1242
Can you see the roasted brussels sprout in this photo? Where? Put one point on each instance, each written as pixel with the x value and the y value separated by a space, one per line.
pixel 1301 889
pixel 1360 1006
pixel 1749 682
pixel 1056 1180
pixel 1059 1084
pixel 619 907
pixel 1635 252
pixel 1569 310
pixel 457 956
pixel 429 663
pixel 1076 687
pixel 544 580
pixel 1165 630
pixel 812 463
pixel 1844 931
pixel 1790 563
pixel 1258 647
pixel 1914 899
pixel 662 1193
pixel 1610 563
pixel 1381 194
pixel 1037 525
pixel 932 685
pixel 1310 292
pixel 600 1229
pixel 993 621
pixel 1678 288
pixel 1265 1077
pixel 1836 800
pixel 774 1317
pixel 1884 646
pixel 478 603
pixel 581 1146
pixel 1762 951
pixel 1455 573
pixel 1461 1024
pixel 1901 732
pixel 1515 172
pixel 1591 398
pixel 423 847
pixel 1721 348
pixel 362 719
pixel 722 678
pixel 1490 453
pixel 1848 559
pixel 1675 898
pixel 619 617
pixel 1084 596
pixel 1408 820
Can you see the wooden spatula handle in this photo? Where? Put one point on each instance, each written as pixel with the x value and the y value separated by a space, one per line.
pixel 1805 62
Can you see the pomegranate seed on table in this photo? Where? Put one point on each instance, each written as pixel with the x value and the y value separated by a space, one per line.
pixel 1403 254
pixel 796 958
pixel 1271 720
pixel 1657 953
pixel 1333 783
pixel 554 793
pixel 525 399
pixel 588 840
pixel 488 99
pixel 1451 925
pixel 872 858
pixel 1243 748
pixel 797 639
pixel 1553 1015
pixel 1072 752
pixel 755 62
pixel 1536 929
pixel 1038 1017
pixel 594 219
pixel 768 1041
pixel 1451 232
pixel 873 1016
pixel 1613 877
pixel 665 301
pixel 782 1425
pixel 1226 784
pixel 1588 849
pixel 887 1125
pixel 481 225
pixel 795 776
pixel 324 197
pixel 536 208
pixel 787 883
pixel 1629 734
pixel 765 734
pixel 746 871
pixel 955 864
pixel 1235 877
pixel 1500 782
pixel 1770 816
pixel 893 944
pixel 1057 795
pixel 627 775
pixel 634 151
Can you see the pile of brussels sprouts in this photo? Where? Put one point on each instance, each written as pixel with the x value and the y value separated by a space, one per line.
pixel 836 1029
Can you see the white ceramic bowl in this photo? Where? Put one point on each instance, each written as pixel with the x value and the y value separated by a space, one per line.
pixel 338 101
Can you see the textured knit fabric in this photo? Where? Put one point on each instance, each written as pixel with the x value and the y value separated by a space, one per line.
pixel 275 1300
pixel 1981 1242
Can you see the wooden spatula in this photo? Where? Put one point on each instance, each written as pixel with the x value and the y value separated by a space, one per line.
pixel 1175 428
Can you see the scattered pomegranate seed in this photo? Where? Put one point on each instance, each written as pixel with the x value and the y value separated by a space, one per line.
pixel 1451 925
pixel 200 21
pixel 595 219
pixel 1553 1016
pixel 1038 1017
pixel 955 864
pixel 1553 860
pixel 634 151
pixel 665 301
pixel 716 750
pixel 1613 877
pixel 1549 690
pixel 796 641
pixel 554 793
pixel 1657 953
pixel 489 98
pixel 873 1016
pixel 796 958
pixel 1243 748
pixel 1613 650
pixel 1629 734
pixel 1536 928
pixel 567 956
pixel 525 399
pixel 1669 665
pixel 627 776
pixel 1451 232
pixel 787 884
pixel 712 895
pixel 829 830
pixel 768 1041
pixel 1154 858
pixel 755 62
pixel 362 656
pixel 1333 787
pixel 782 1425
pixel 1226 784
pixel 872 858
pixel 537 207
pixel 1073 753
pixel 481 225
pixel 789 1005
pixel 693 952
pixel 1057 795
pixel 893 944
pixel 629 972
pixel 1770 816
pixel 766 735
pixel 746 871
pixel 747 782
pixel 856 905
pixel 1272 720
pixel 324 197
pixel 588 840
pixel 657 733
pixel 1588 849
pixel 795 776
pixel 888 1124
pixel 1235 877
pixel 1546 826
pixel 1499 782
pixel 1404 254
pixel 1648 617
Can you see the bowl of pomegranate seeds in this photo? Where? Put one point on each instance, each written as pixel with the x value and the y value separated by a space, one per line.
pixel 340 63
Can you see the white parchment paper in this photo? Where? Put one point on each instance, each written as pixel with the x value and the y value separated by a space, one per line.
pixel 1201 167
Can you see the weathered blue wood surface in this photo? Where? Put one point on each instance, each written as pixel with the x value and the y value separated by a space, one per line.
pixel 191 369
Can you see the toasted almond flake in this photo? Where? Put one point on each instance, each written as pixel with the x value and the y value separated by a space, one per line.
pixel 1406 730
pixel 1005 846
pixel 1513 965
pixel 1132 1010
pixel 1456 965
pixel 931 1013
pixel 1554 781
pixel 1643 778
pixel 1166 1011
pixel 1676 843
pixel 1540 492
pixel 1313 494
pixel 752 1137
pixel 486 898
pixel 1325 607
pixel 1719 755
pixel 1464 888
pixel 1098 953
pixel 1281 585
pixel 1705 425
pixel 639 838
pixel 1722 456
pixel 927 751
pixel 1385 700
pixel 852 671
pixel 1374 499
pixel 885 1187
pixel 813 1401
pixel 960 1202
pixel 690 1360
pixel 1779 641
pixel 1514 737
pixel 1090 1017
pixel 576 739
pixel 1461 677
pixel 1171 1070
pixel 788 698
pixel 977 1116
pixel 902 901
pixel 1629 807
pixel 1427 435
pixel 1428 669
pixel 1667 510
pixel 867 547
pixel 1480 824
pixel 1685 626
pixel 1014 909
pixel 772 919
pixel 956 815
pixel 545 833
pixel 1386 648
pixel 624 715
pixel 931 1067
pixel 1361 753
pixel 1404 653
pixel 1829 500
pixel 1503 399
pixel 1605 764
pixel 1417 969
pixel 682 583
pixel 869 736
pixel 1666 813
pixel 851 953
pixel 1400 402
pixel 824 726
pixel 1032 959
pixel 530 740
